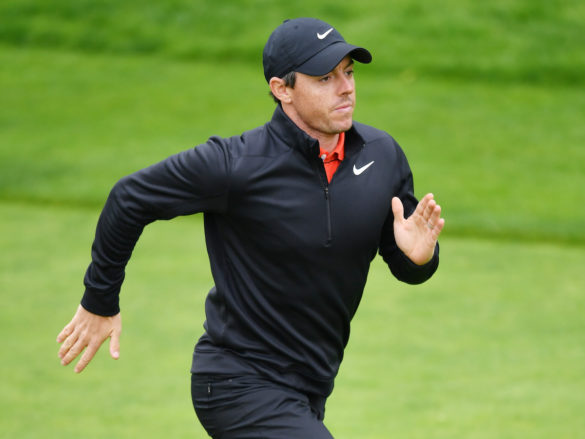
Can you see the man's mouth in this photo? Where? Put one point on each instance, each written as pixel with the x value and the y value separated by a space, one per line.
pixel 344 108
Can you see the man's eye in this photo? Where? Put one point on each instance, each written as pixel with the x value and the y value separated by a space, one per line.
pixel 325 78
pixel 349 73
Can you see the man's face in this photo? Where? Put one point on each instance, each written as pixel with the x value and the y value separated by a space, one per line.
pixel 323 105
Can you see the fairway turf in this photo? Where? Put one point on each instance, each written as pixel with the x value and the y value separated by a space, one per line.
pixel 505 158
pixel 485 98
pixel 491 347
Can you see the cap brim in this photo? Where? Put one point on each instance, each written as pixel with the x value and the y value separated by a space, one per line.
pixel 326 60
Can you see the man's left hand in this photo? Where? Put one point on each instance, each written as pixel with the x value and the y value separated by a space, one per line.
pixel 417 235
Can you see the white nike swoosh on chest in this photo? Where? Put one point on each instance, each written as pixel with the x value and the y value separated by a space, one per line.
pixel 358 171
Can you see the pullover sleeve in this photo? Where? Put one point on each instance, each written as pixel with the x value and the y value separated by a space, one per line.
pixel 400 265
pixel 196 180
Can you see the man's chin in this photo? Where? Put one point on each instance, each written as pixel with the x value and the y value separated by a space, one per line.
pixel 344 126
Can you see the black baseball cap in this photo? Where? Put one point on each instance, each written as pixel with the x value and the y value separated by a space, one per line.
pixel 309 46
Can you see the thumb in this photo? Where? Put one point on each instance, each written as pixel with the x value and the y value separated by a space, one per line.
pixel 115 344
pixel 397 209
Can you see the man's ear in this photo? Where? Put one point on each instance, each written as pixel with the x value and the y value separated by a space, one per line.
pixel 280 90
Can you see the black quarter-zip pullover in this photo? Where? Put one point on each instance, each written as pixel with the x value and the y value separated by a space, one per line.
pixel 289 252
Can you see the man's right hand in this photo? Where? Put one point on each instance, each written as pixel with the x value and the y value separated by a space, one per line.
pixel 88 330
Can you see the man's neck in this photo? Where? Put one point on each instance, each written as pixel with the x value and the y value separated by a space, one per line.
pixel 327 142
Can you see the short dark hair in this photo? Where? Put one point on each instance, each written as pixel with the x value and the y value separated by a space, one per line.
pixel 289 80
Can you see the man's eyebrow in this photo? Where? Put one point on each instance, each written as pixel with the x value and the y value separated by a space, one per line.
pixel 349 64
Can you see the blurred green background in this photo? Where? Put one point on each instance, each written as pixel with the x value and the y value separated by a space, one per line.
pixel 486 98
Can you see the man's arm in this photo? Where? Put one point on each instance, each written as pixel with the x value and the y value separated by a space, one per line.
pixel 408 243
pixel 196 180
pixel 189 182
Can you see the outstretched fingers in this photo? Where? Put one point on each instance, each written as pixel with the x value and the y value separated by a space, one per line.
pixel 430 213
pixel 435 222
pixel 429 210
pixel 422 206
pixel 87 356
pixel 72 347
pixel 66 332
pixel 435 216
pixel 417 236
pixel 68 342
pixel 85 333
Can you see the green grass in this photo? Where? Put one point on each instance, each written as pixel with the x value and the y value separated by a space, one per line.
pixel 146 392
pixel 504 159
pixel 487 100
pixel 528 40
pixel 492 347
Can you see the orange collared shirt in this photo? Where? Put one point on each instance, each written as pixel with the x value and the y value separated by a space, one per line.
pixel 333 159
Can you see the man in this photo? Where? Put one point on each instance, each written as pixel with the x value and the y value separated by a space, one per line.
pixel 294 212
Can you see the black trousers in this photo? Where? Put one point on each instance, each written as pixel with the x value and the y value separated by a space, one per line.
pixel 255 408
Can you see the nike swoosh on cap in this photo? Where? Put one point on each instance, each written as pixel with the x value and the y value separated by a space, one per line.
pixel 322 36
pixel 358 171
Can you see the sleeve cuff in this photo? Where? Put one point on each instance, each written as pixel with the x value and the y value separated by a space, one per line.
pixel 100 304
pixel 416 274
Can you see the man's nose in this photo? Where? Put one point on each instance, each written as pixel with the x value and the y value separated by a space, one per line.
pixel 346 85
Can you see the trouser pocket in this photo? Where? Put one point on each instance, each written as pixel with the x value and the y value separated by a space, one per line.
pixel 253 407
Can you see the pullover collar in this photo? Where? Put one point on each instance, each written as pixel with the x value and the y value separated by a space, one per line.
pixel 290 134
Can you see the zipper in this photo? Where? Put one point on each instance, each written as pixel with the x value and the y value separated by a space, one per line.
pixel 328 207
pixel 320 168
